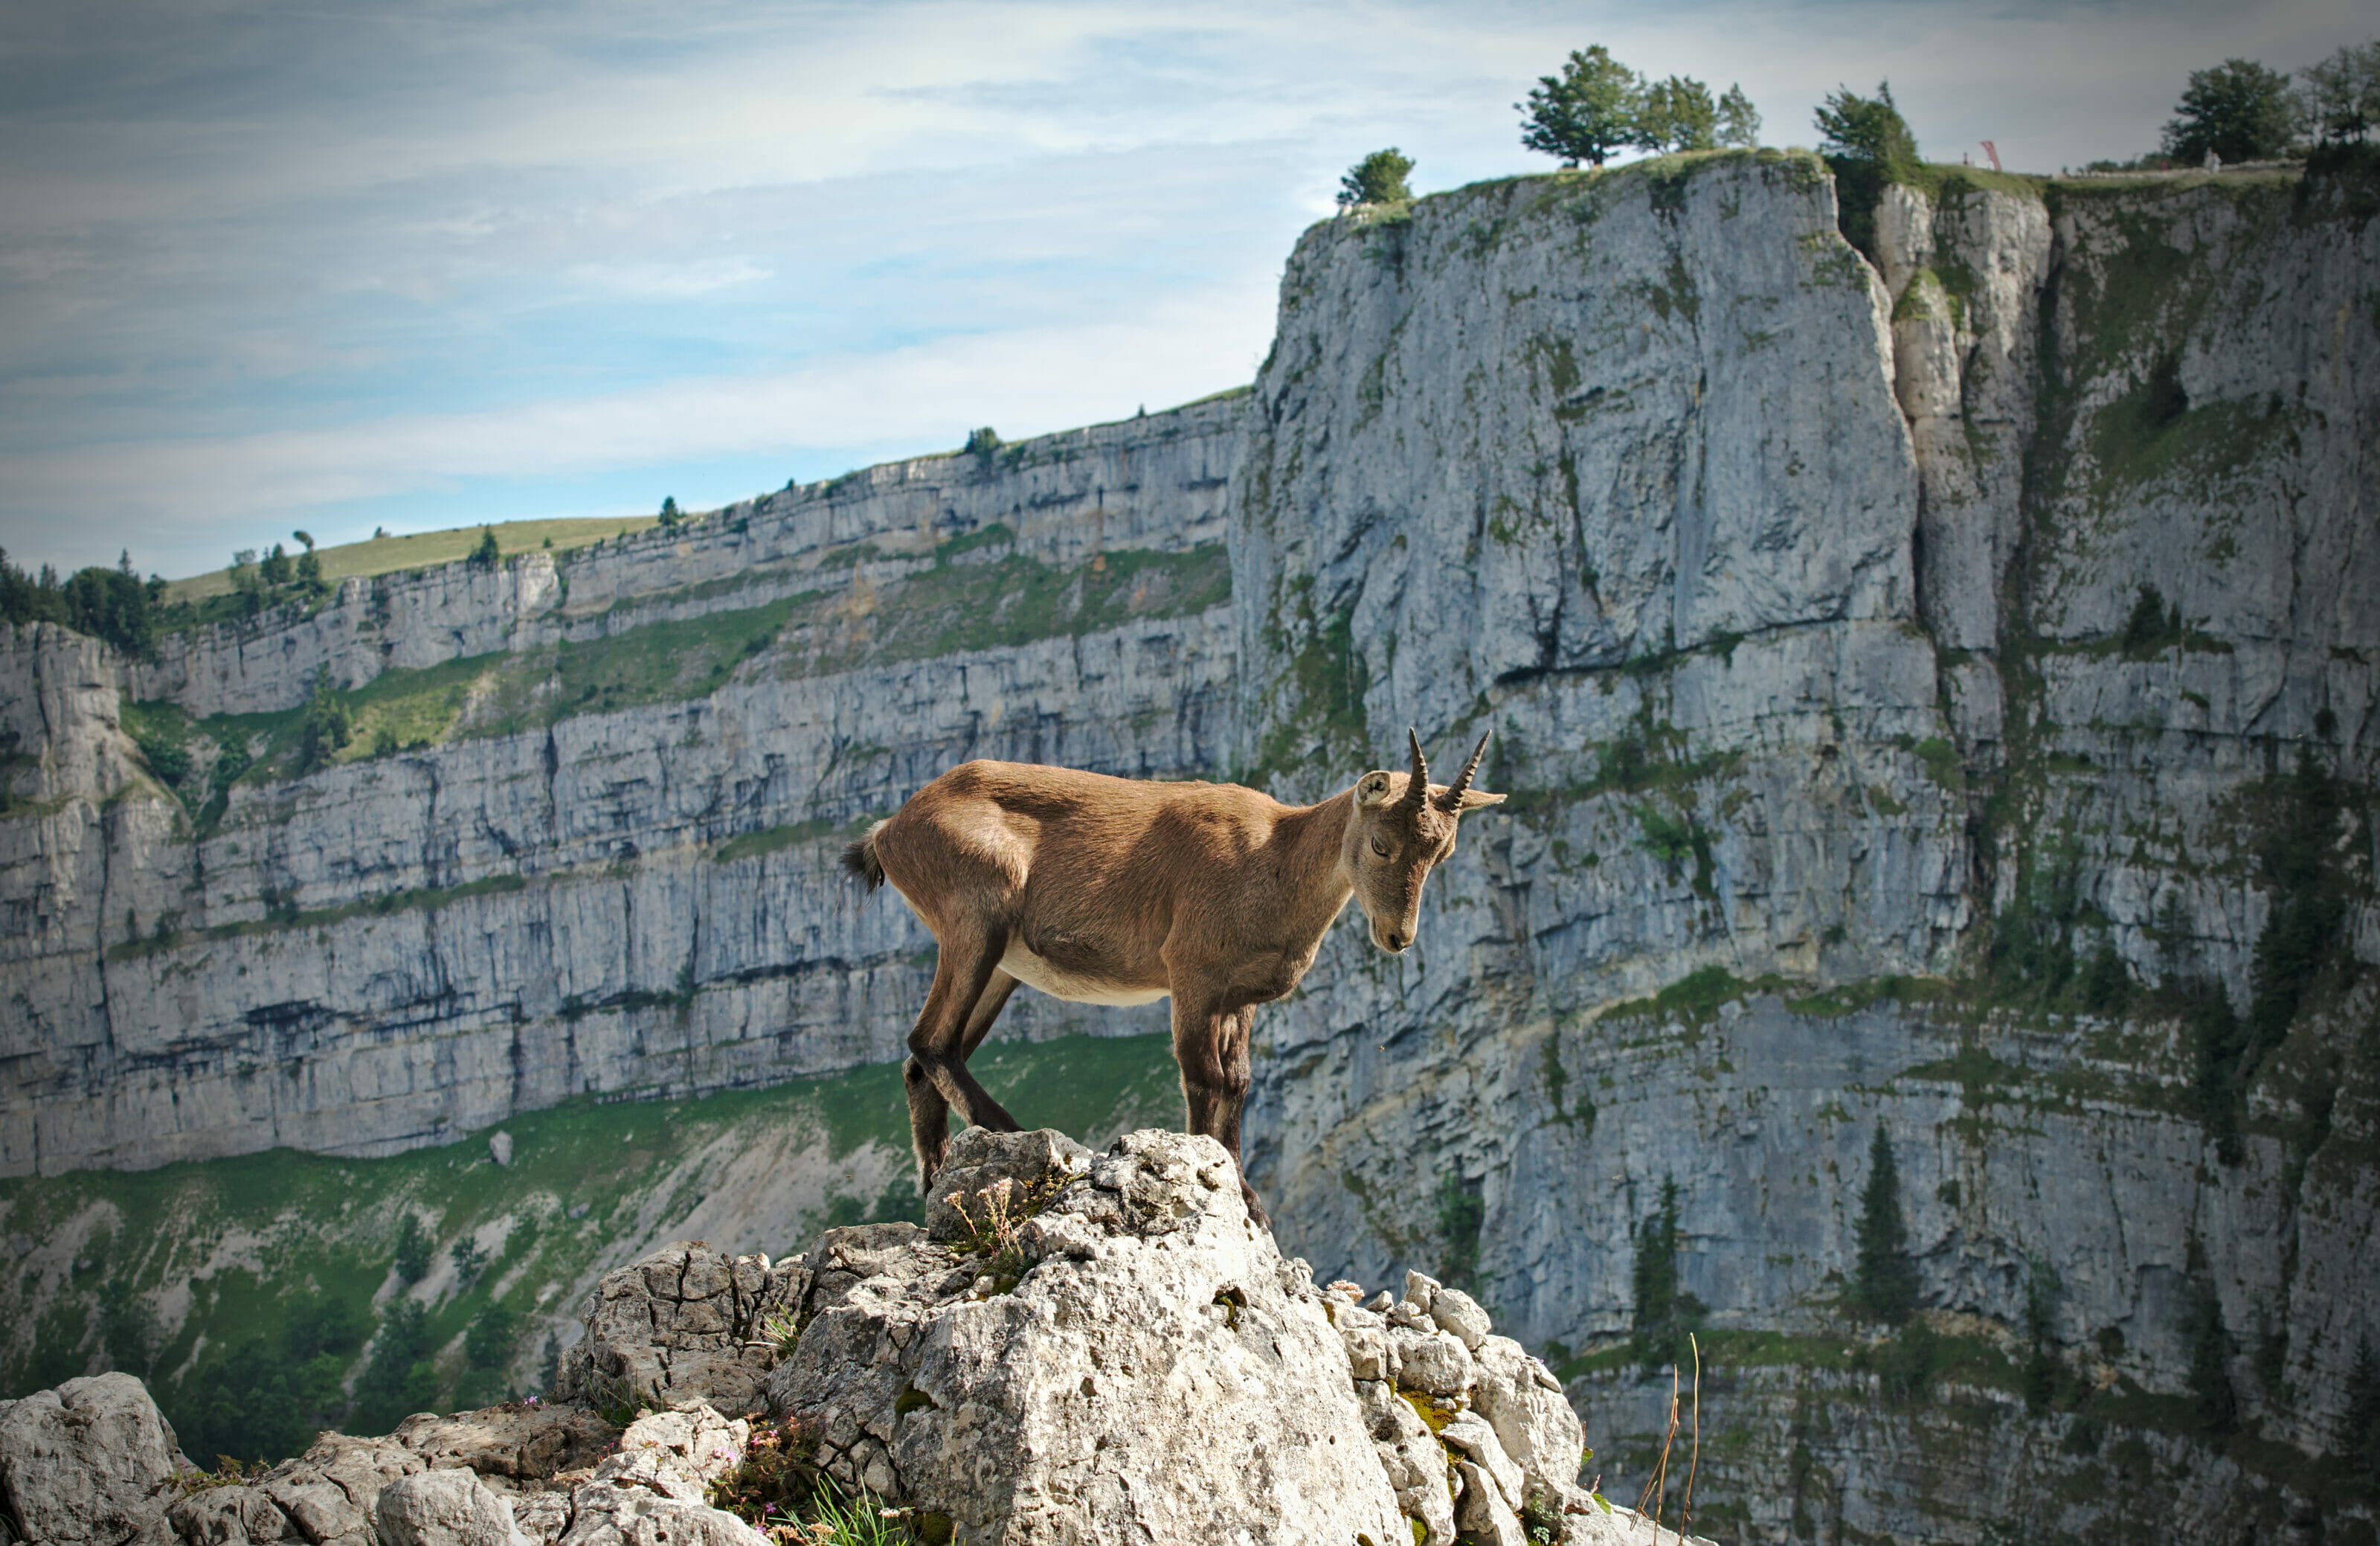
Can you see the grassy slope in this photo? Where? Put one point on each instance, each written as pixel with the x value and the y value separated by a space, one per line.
pixel 223 1251
pixel 384 554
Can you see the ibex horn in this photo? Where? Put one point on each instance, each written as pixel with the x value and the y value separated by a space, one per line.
pixel 1419 789
pixel 1453 799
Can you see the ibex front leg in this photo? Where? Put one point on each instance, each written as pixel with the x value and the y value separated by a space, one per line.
pixel 1212 1046
pixel 969 991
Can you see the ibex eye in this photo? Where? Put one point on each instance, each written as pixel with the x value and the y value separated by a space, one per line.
pixel 1379 847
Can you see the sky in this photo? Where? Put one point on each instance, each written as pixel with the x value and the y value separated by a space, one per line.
pixel 425 263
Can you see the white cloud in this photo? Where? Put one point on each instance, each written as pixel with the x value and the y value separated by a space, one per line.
pixel 261 260
pixel 1027 382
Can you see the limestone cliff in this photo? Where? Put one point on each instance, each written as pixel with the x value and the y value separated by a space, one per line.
pixel 1936 690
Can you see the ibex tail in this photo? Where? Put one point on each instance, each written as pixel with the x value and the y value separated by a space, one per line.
pixel 859 857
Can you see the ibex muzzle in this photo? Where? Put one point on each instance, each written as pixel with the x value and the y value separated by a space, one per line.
pixel 1114 890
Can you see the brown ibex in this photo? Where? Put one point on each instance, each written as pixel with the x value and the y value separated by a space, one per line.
pixel 1114 891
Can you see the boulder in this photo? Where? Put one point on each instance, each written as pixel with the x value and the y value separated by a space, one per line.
pixel 1138 1362
pixel 92 1460
pixel 687 1323
pixel 654 1489
pixel 445 1508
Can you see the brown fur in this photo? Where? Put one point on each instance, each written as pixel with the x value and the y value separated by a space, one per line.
pixel 1216 894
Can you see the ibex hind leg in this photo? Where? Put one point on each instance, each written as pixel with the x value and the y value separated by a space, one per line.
pixel 968 983
pixel 928 1113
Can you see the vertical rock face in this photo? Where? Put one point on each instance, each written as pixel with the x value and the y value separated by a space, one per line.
pixel 2114 751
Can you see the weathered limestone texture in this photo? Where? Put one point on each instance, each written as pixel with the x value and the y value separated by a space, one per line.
pixel 1157 1371
pixel 684 1324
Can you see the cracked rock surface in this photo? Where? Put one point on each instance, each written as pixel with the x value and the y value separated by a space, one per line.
pixel 687 1323
pixel 1145 1366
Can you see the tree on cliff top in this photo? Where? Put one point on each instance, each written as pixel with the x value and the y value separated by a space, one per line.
pixel 1867 128
pixel 2342 93
pixel 1587 111
pixel 1677 115
pixel 1884 1283
pixel 1868 146
pixel 1379 178
pixel 1739 121
pixel 2240 110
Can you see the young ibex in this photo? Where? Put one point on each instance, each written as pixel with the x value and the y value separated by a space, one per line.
pixel 1112 890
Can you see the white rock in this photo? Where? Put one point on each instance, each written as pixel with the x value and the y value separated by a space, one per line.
pixel 1470 1433
pixel 500 1148
pixel 1523 1402
pixel 1459 1313
pixel 92 1460
pixel 1169 1391
pixel 1420 1289
pixel 446 1508
pixel 1481 1512
pixel 1434 1361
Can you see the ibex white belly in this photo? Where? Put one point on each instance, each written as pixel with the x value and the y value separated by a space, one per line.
pixel 1073 987
pixel 1032 970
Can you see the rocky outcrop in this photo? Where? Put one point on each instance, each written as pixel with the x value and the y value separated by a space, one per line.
pixel 1085 1349
pixel 683 1324
pixel 92 1461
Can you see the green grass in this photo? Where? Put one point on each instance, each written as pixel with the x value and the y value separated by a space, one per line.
pixel 381 555
pixel 979 594
pixel 769 840
pixel 283 1229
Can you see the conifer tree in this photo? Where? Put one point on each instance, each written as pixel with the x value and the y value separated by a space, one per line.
pixel 1884 1285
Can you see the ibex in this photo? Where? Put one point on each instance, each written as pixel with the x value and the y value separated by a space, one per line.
pixel 1114 891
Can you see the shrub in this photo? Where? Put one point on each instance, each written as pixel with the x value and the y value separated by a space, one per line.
pixel 399 1382
pixel 2216 1405
pixel 670 516
pixel 488 554
pixel 1664 1315
pixel 324 727
pixel 2342 93
pixel 412 1251
pixel 489 1343
pixel 1867 128
pixel 1379 178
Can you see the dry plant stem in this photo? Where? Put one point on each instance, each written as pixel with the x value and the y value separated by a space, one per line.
pixel 1659 1482
pixel 1694 1460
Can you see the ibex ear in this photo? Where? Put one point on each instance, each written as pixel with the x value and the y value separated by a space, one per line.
pixel 1372 788
pixel 1474 798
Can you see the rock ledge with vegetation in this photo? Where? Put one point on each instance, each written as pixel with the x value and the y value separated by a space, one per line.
pixel 1072 1345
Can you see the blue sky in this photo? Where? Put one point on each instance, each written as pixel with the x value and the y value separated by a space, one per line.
pixel 335 266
